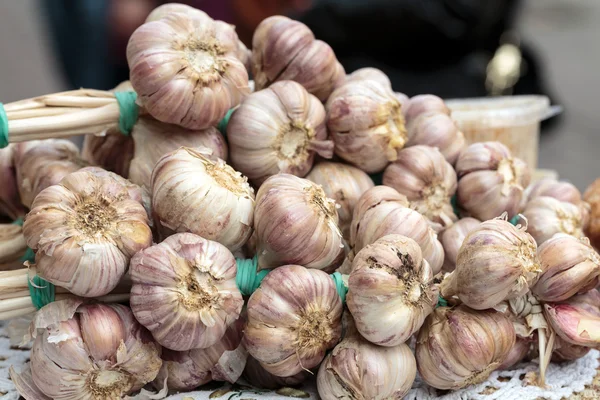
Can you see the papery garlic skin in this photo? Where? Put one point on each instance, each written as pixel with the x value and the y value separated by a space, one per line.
pixel 195 192
pixel 344 184
pixel 569 266
pixel 565 351
pixel 365 121
pixel 293 319
pixel 497 261
pixel 382 211
pixel 284 49
pixel 357 369
pixel 259 377
pixel 185 70
pixel 12 245
pixel 549 187
pixel 113 152
pixel 547 216
pixel 278 129
pixel 184 291
pixel 428 181
pixel 85 230
pixel 10 202
pixel 592 197
pixel 390 290
pixel 424 104
pixel 517 354
pixel 369 74
pixel 296 223
pixel 458 347
pixel 44 164
pixel 490 181
pixel 453 237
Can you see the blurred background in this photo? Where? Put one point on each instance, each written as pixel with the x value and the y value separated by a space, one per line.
pixel 452 48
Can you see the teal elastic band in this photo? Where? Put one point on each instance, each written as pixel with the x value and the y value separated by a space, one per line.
pixel 441 302
pixel 247 278
pixel 128 111
pixel 340 286
pixel 222 127
pixel 41 292
pixel 3 127
pixel 19 221
pixel 514 220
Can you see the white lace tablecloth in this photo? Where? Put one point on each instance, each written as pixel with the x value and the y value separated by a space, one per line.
pixel 563 381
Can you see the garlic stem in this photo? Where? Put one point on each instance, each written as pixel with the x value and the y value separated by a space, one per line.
pixel 39 112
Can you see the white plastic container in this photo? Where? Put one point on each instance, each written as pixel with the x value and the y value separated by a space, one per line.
pixel 513 121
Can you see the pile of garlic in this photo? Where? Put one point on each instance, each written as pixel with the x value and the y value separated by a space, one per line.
pixel 244 255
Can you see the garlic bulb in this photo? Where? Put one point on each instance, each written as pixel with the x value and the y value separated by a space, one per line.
pixel 284 49
pixel 366 124
pixel 428 181
pixel 344 184
pixel 85 230
pixel 89 351
pixel 453 237
pixel 497 261
pixel 592 197
pixel 357 369
pixel 185 70
pixel 428 122
pixel 547 216
pixel 565 351
pixel 296 222
pixel 490 181
pixel 390 290
pixel 10 202
pixel 44 164
pixel 560 190
pixel 569 266
pixel 112 152
pixel 517 354
pixel 195 192
pixel 223 361
pixel 259 377
pixel 293 319
pixel 184 291
pixel 370 74
pixel 458 347
pixel 278 129
pixel 576 320
pixel 382 211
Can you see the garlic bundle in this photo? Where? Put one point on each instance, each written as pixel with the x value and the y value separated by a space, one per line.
pixel 284 49
pixel 370 74
pixel 223 361
pixel 382 211
pixel 458 347
pixel 195 192
pixel 569 266
pixel 278 129
pixel 184 291
pixel 428 122
pixel 85 230
pixel 344 184
pixel 296 223
pixel 366 123
pixel 44 163
pixel 357 369
pixel 490 181
pixel 517 354
pixel 592 197
pixel 259 377
pixel 390 290
pixel 547 216
pixel 497 261
pixel 89 351
pixel 428 181
pixel 293 319
pixel 12 246
pixel 549 187
pixel 185 70
pixel 576 320
pixel 10 202
pixel 565 351
pixel 453 237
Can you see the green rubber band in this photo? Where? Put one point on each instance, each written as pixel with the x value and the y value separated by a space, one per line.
pixel 41 292
pixel 28 256
pixel 377 178
pixel 222 127
pixel 441 302
pixel 247 278
pixel 340 286
pixel 514 220
pixel 128 111
pixel 19 221
pixel 3 127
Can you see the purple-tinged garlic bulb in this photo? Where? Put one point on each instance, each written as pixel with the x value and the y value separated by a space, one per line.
pixel 278 129
pixel 491 181
pixel 366 123
pixel 85 230
pixel 369 74
pixel 293 319
pixel 453 237
pixel 519 351
pixel 284 49
pixel 184 291
pixel 296 223
pixel 428 181
pixel 185 70
pixel 424 104
pixel 259 377
pixel 344 184
pixel 10 202
pixel 458 347
pixel 565 351
pixel 112 152
pixel 547 216
pixel 390 290
pixel 549 187
pixel 192 191
pixel 592 228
